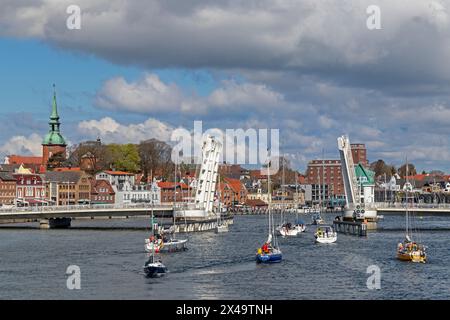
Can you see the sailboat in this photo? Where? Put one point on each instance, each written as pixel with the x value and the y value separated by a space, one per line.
pixel 164 240
pixel 286 228
pixel 316 217
pixel 154 266
pixel 270 251
pixel 410 250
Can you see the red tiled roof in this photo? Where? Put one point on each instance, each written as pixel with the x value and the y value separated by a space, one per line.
pixel 67 169
pixel 118 173
pixel 255 203
pixel 234 184
pixel 170 185
pixel 96 184
pixel 418 177
pixel 15 159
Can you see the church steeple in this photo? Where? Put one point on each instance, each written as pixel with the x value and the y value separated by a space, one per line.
pixel 54 116
pixel 54 136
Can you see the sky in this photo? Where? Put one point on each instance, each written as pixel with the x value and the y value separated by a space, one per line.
pixel 137 70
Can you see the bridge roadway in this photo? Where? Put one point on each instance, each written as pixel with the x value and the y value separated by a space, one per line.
pixel 78 211
pixel 429 209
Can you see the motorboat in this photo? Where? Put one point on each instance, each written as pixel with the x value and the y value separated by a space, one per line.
pixel 154 267
pixel 288 229
pixel 317 219
pixel 325 234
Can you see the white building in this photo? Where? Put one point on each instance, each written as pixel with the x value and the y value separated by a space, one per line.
pixel 127 193
pixel 116 178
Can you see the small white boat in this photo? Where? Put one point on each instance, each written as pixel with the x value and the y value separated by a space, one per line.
pixel 222 228
pixel 170 245
pixel 291 230
pixel 325 234
pixel 317 219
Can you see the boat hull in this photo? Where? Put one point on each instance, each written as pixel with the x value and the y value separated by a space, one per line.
pixel 155 270
pixel 291 232
pixel 414 256
pixel 268 258
pixel 329 239
pixel 222 229
pixel 171 246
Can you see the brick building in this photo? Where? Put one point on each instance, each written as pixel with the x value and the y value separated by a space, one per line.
pixel 30 190
pixel 183 192
pixel 7 189
pixel 68 187
pixel 102 192
pixel 232 192
pixel 328 172
pixel 359 154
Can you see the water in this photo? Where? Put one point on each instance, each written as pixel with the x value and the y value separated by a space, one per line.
pixel 33 263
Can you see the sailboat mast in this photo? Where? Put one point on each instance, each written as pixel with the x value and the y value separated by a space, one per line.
pixel 323 181
pixel 407 199
pixel 268 194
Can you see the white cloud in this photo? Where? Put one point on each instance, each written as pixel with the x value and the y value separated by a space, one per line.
pixel 109 130
pixel 148 94
pixel 309 36
pixel 22 145
pixel 151 95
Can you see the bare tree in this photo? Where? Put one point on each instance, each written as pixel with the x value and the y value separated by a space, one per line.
pixel 155 158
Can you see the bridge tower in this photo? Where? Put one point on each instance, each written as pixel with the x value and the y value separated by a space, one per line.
pixel 207 178
pixel 359 199
pixel 202 208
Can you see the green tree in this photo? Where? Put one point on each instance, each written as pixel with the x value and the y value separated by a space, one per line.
pixel 124 157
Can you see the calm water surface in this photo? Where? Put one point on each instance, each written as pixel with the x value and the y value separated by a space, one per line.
pixel 33 263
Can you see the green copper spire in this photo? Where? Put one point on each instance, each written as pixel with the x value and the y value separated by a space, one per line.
pixel 54 116
pixel 54 137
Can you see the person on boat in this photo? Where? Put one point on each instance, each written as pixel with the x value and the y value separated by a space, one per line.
pixel 265 248
pixel 319 232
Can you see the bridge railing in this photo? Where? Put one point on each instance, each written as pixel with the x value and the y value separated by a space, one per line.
pixel 398 205
pixel 87 207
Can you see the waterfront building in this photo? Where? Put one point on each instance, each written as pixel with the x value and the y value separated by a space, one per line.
pixel 232 192
pixel 168 193
pixel 328 171
pixel 116 178
pixel 68 187
pixel 141 193
pixel 30 188
pixel 366 183
pixel 288 197
pixel 258 193
pixel 102 192
pixel 7 189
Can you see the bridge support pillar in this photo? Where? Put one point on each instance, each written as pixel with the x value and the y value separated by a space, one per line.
pixel 54 223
